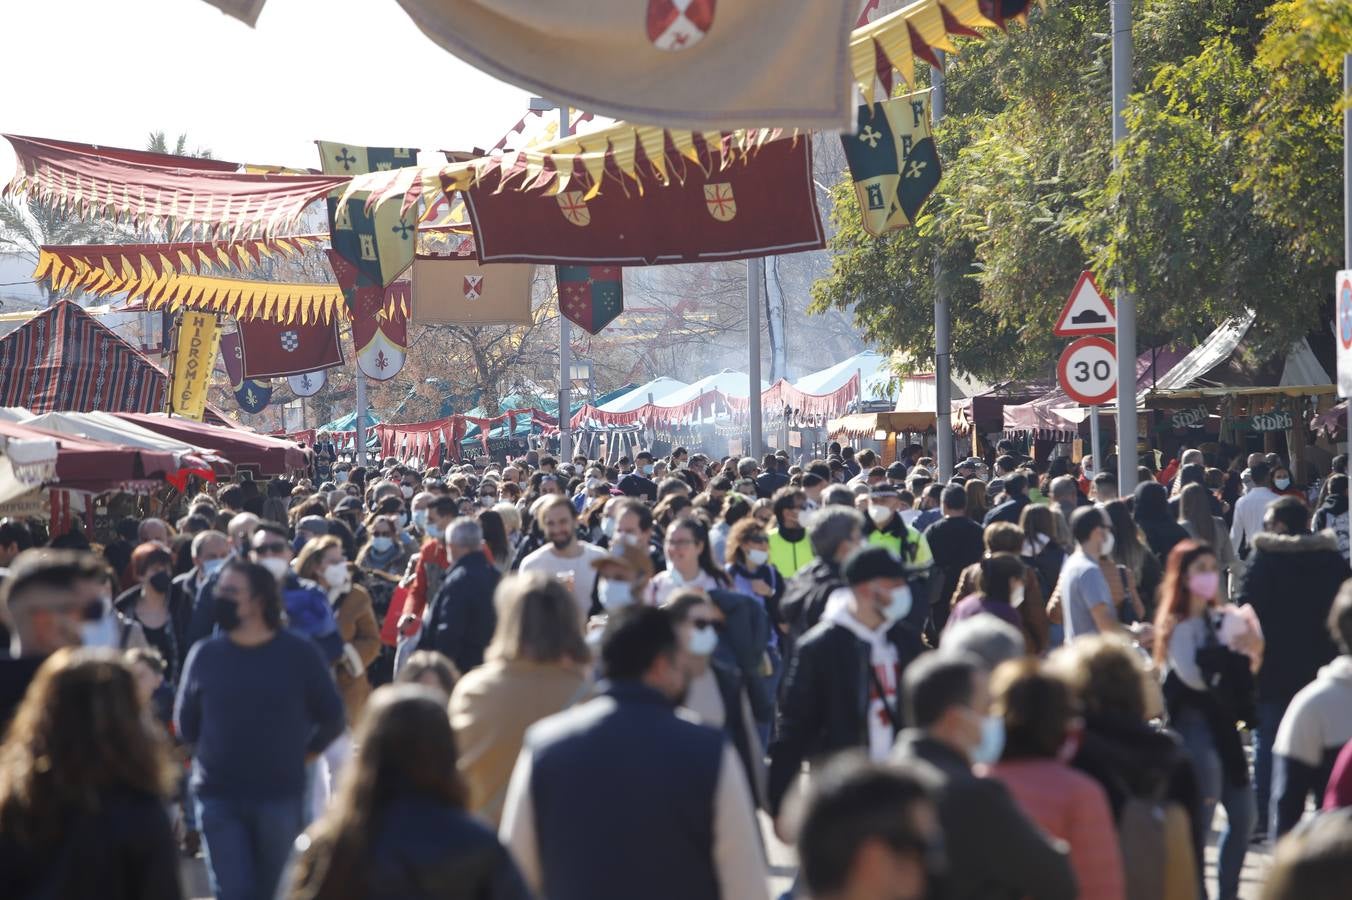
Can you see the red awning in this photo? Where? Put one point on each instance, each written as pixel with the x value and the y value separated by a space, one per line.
pixel 87 465
pixel 269 456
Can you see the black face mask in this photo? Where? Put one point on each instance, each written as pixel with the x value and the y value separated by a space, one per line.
pixel 160 582
pixel 227 614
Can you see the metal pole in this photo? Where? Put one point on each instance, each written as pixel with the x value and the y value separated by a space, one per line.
pixel 565 345
pixel 1124 301
pixel 1095 439
pixel 1347 163
pixel 361 417
pixel 943 325
pixel 755 272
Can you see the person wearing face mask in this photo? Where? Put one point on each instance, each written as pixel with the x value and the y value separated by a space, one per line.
pixel 210 549
pixel 576 781
pixel 993 849
pixel 835 533
pixel 54 599
pixel 886 527
pixel 306 602
pixel 753 576
pixel 690 562
pixel 1042 733
pixel 460 619
pixel 254 702
pixel 1082 597
pixel 426 569
pixel 622 578
pixel 1208 688
pixel 160 610
pixel 840 690
pixel 321 560
pixel 790 549
pixel 1283 485
pixel 715 693
pixel 639 483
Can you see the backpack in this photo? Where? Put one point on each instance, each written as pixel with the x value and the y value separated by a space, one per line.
pixel 1156 840
pixel 309 612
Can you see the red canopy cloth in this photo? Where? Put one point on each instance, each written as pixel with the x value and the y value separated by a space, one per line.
pixel 270 456
pixel 775 399
pixel 94 466
pixel 153 189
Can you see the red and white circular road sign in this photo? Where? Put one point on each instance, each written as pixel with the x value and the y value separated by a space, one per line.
pixel 1087 371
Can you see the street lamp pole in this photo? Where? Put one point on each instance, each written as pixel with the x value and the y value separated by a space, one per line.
pixel 943 325
pixel 1122 299
pixel 565 346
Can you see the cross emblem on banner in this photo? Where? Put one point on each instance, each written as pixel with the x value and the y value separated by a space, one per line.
pixel 915 167
pixel 720 201
pixel 402 229
pixel 346 158
pixel 870 136
pixel 574 208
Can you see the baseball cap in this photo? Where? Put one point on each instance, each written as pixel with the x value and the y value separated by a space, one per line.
pixel 313 525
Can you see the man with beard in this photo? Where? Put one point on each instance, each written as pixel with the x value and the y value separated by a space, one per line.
pixel 565 557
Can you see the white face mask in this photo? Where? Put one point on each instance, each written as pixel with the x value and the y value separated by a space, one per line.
pixel 757 557
pixel 608 527
pixel 900 605
pixel 335 575
pixel 277 565
pixel 102 633
pixel 406 491
pixel 1282 483
pixel 880 515
pixel 614 594
pixel 420 517
pixel 702 641
pixel 676 578
pixel 1108 543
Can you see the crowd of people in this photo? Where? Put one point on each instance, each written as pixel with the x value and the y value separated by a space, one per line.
pixel 579 680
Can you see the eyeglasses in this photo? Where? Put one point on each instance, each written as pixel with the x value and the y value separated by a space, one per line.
pixel 269 549
pixel 681 542
pixel 716 624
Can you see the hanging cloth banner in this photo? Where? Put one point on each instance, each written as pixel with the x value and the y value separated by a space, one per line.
pixel 196 339
pixel 682 63
pixel 764 204
pixel 380 242
pixel 451 288
pixel 379 320
pixel 590 297
pixel 276 301
pixel 176 193
pixel 253 396
pixel 893 161
pixel 307 384
pixel 114 268
pixel 277 350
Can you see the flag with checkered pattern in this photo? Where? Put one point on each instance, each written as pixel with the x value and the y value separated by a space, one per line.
pixel 276 350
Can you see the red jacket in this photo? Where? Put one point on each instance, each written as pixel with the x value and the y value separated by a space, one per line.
pixel 428 571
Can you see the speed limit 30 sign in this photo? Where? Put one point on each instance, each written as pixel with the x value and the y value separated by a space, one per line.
pixel 1087 371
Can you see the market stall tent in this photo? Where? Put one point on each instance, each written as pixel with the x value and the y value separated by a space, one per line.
pixel 95 466
pixel 656 390
pixel 268 456
pixel 877 379
pixel 109 428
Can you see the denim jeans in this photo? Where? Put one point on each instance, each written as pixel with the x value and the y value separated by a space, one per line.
pixel 1270 714
pixel 247 843
pixel 1240 811
pixel 771 682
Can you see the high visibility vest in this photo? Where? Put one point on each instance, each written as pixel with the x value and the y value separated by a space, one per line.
pixel 789 556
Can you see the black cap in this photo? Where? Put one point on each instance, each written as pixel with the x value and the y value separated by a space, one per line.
pixel 885 489
pixel 896 471
pixel 868 563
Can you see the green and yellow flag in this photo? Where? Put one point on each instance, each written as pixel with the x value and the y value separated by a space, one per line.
pixel 380 245
pixel 893 161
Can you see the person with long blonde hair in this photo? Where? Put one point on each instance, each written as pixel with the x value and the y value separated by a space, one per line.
pixel 84 779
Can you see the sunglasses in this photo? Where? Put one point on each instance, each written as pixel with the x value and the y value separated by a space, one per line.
pixel 272 548
pixel 715 624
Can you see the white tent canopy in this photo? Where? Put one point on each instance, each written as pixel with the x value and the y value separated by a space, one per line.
pixel 732 384
pixel 876 378
pixel 102 426
pixel 660 388
pixel 14 413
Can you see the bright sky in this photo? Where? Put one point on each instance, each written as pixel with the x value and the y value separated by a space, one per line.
pixel 359 71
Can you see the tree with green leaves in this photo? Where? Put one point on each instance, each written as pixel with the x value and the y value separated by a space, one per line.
pixel 1225 199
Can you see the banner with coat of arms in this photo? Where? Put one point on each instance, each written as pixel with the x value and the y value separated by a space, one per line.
pixel 764 204
pixel 590 296
pixel 278 350
pixel 252 396
pixel 379 320
pixel 379 243
pixel 893 161
pixel 450 287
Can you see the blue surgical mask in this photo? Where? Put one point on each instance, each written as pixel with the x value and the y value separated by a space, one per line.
pixel 435 531
pixel 1282 483
pixel 647 470
pixel 992 741
pixel 419 518
pixel 100 633
pixel 381 544
pixel 212 566
pixel 900 605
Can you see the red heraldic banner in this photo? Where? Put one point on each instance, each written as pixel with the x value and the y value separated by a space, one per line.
pixel 379 320
pixel 275 350
pixel 763 205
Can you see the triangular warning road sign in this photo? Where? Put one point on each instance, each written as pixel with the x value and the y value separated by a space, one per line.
pixel 1086 311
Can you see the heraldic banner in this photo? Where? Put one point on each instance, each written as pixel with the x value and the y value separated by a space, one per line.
pixel 590 297
pixel 277 350
pixel 379 245
pixel 196 339
pixel 763 205
pixel 893 161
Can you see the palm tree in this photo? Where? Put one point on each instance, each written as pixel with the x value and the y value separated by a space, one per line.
pixel 158 142
pixel 27 224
